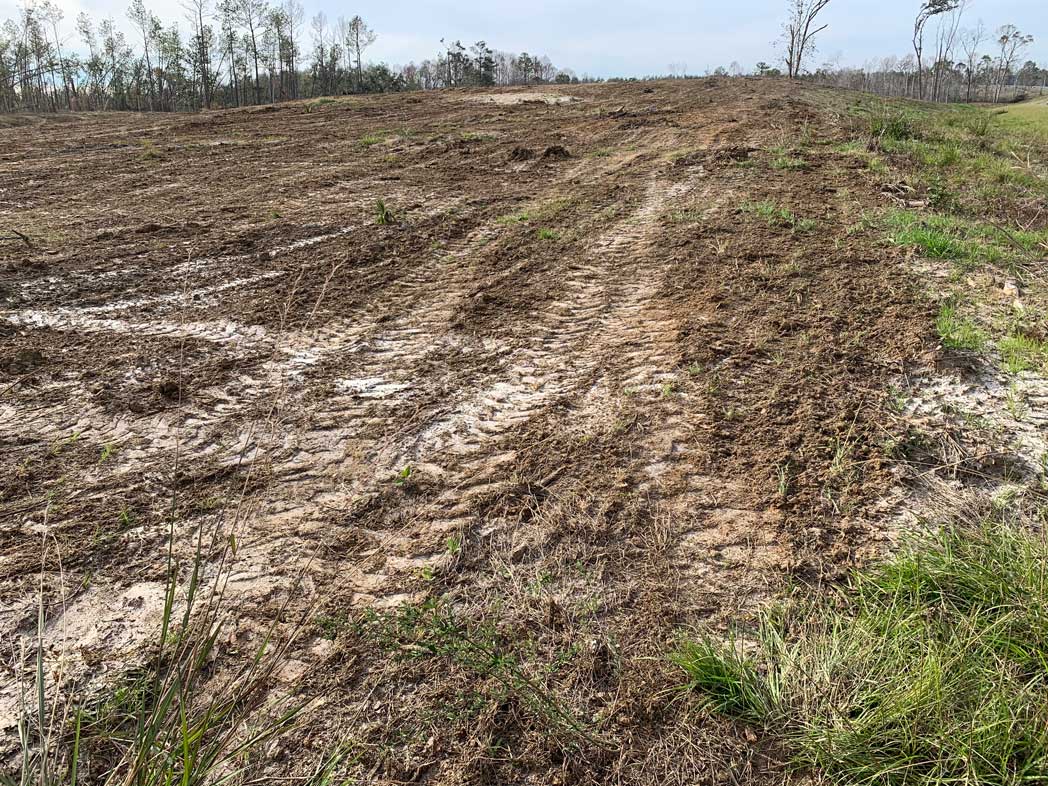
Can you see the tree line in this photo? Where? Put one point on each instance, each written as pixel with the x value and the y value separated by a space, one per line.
pixel 233 53
pixel 968 64
pixel 249 52
pixel 948 61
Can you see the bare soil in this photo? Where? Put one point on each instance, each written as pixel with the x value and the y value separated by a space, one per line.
pixel 578 400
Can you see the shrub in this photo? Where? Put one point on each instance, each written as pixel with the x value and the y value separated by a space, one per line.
pixel 897 127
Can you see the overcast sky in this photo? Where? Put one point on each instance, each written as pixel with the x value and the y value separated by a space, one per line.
pixel 626 37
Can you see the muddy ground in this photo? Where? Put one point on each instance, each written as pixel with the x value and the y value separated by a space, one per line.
pixel 579 394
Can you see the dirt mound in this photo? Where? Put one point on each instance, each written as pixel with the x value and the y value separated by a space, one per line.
pixel 510 98
pixel 556 153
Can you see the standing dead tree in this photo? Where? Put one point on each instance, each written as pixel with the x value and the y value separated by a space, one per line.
pixel 945 39
pixel 252 15
pixel 929 9
pixel 971 41
pixel 359 38
pixel 799 30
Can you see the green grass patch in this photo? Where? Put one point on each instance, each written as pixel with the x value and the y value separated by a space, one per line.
pixel 515 218
pixel 312 106
pixel 785 158
pixel 1029 118
pixel 933 236
pixel 957 332
pixel 1022 353
pixel 931 669
pixel 788 162
pixel 370 140
pixel 778 216
pixel 546 211
pixel 684 216
pixel 895 125
pixel 973 243
pixel 852 147
pixel 548 234
pixel 992 161
pixel 150 152
pixel 877 166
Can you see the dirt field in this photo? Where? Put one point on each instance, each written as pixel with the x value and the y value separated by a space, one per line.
pixel 586 389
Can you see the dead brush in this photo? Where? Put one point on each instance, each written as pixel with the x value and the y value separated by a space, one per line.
pixel 150 152
pixel 167 720
pixel 433 630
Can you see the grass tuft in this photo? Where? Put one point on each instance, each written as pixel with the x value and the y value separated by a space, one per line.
pixel 967 242
pixel 169 720
pixel 1022 353
pixel 725 676
pixel 935 239
pixel 896 126
pixel 932 669
pixel 957 332
pixel 788 162
pixel 777 216
pixel 515 218
pixel 150 152
pixel 314 105
pixel 383 214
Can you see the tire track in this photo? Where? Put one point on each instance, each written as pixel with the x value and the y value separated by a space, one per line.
pixel 599 307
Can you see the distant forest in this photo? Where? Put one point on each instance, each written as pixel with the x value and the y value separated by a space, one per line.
pixel 238 53
pixel 248 52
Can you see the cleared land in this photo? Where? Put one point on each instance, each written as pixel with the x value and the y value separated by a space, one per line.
pixel 609 362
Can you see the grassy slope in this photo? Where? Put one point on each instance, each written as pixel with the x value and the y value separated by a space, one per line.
pixel 931 668
pixel 973 185
pixel 1030 117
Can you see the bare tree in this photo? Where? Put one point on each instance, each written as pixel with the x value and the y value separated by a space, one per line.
pixel 50 12
pixel 929 9
pixel 359 38
pixel 1012 42
pixel 293 13
pixel 228 15
pixel 945 39
pixel 144 20
pixel 799 31
pixel 971 41
pixel 196 10
pixel 252 14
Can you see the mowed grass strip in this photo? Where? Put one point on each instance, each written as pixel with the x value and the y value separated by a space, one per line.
pixel 930 669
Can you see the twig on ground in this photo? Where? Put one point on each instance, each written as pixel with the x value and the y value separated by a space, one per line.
pixel 16 237
pixel 1015 242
